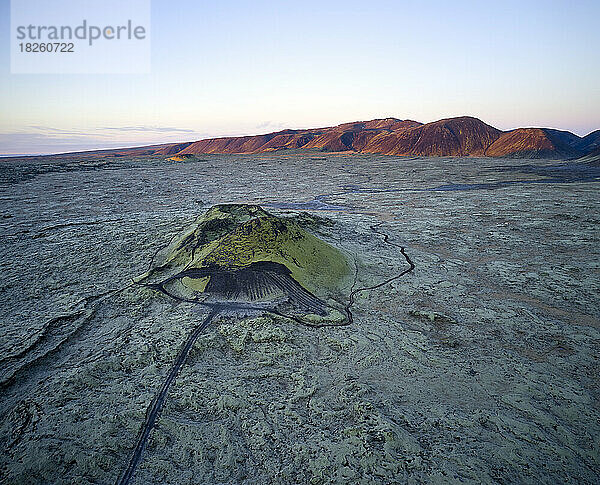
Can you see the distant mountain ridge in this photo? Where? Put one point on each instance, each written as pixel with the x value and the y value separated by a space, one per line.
pixel 461 136
pixel 450 137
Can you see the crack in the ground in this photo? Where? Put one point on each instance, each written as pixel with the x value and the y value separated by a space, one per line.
pixel 51 338
pixel 157 403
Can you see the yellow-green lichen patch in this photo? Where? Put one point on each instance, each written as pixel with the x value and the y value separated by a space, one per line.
pixel 208 228
pixel 196 284
pixel 313 263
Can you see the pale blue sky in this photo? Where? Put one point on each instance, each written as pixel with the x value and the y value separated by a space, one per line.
pixel 244 67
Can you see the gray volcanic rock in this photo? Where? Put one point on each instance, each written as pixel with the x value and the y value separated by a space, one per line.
pixel 479 366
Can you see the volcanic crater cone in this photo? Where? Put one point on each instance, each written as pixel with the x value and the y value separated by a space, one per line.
pixel 245 256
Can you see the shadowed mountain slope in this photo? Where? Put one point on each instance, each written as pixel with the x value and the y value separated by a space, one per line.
pixel 590 142
pixel 564 137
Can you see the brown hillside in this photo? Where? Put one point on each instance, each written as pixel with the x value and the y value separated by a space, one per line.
pixel 448 137
pixel 172 149
pixel 241 144
pixel 355 136
pixel 531 143
pixel 462 136
pixel 344 137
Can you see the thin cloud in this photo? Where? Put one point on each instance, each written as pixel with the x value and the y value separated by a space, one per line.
pixel 147 129
pixel 269 125
pixel 102 131
pixel 51 131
